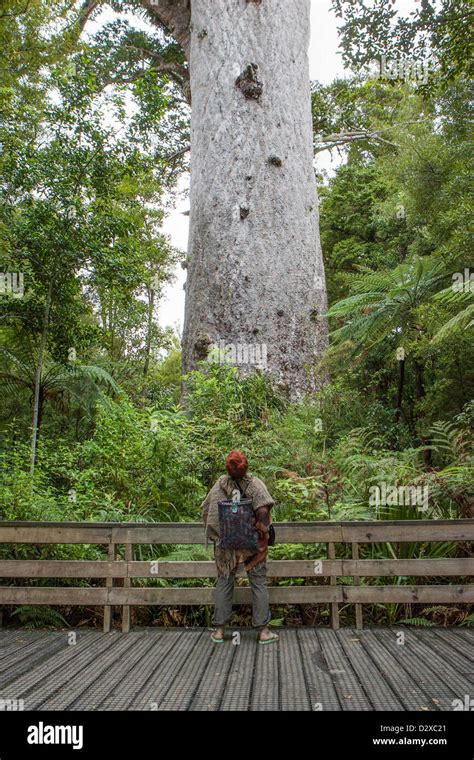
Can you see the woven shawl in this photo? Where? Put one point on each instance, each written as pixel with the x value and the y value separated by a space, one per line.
pixel 227 560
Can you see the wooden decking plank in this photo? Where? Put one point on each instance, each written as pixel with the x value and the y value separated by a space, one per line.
pixel 80 671
pixel 161 644
pixel 185 683
pixel 163 675
pixel 40 657
pixel 38 653
pixel 265 688
pixel 322 692
pixel 407 689
pixel 20 640
pixel 114 674
pixel 439 694
pixel 441 663
pixel 209 693
pixel 447 648
pixel 238 688
pixel 351 693
pixel 382 696
pixel 49 677
pixel 36 658
pixel 452 638
pixel 465 633
pixel 294 694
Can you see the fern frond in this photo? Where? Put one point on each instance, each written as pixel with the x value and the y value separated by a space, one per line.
pixel 36 617
pixel 462 321
pixel 417 621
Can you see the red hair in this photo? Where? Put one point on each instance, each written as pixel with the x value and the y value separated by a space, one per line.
pixel 236 464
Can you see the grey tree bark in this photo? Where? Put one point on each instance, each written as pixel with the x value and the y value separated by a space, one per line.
pixel 255 268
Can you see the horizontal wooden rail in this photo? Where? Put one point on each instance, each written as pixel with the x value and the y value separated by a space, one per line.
pixel 283 568
pixel 278 595
pixel 362 531
pixel 112 535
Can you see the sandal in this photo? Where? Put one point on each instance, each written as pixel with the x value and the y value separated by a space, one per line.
pixel 273 637
pixel 217 641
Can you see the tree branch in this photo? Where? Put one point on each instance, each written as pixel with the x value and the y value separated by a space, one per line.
pixel 86 11
pixel 178 154
pixel 174 16
pixel 176 71
pixel 19 13
pixel 343 138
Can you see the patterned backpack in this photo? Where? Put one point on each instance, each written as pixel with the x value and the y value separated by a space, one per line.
pixel 236 523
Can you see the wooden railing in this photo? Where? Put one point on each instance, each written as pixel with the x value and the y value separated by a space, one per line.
pixel 114 535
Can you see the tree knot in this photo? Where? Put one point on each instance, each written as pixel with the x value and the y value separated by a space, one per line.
pixel 275 161
pixel 201 345
pixel 249 83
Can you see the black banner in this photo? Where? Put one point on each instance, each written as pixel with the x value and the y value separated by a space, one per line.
pixel 117 734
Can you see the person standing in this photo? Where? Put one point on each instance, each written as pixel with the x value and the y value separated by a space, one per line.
pixel 239 479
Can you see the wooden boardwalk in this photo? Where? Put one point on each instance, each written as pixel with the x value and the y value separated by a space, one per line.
pixel 179 669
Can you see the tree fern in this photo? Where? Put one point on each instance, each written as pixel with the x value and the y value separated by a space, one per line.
pixel 382 302
pixel 462 321
pixel 460 300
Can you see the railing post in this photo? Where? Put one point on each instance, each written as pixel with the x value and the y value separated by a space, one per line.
pixel 333 582
pixel 126 584
pixel 356 579
pixel 109 582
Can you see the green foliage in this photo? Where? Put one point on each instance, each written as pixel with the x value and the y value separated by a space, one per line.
pixel 441 31
pixel 417 621
pixel 39 617
pixel 397 254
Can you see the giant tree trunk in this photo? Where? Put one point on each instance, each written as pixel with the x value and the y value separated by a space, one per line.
pixel 255 269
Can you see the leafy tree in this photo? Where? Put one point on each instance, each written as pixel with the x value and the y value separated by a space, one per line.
pixel 442 31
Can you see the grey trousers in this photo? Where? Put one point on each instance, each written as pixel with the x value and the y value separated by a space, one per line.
pixel 225 591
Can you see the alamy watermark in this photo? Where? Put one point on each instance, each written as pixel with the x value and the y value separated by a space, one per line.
pixel 400 212
pixel 463 282
pixel 466 704
pixel 12 284
pixel 403 69
pixel 8 704
pixel 238 354
pixel 318 282
pixel 408 496
pixel 42 733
